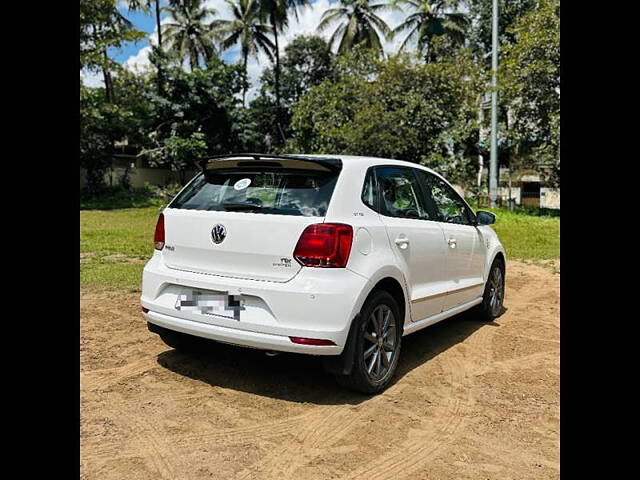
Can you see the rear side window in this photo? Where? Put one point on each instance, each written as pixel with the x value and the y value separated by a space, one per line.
pixel 369 190
pixel 400 194
pixel 282 192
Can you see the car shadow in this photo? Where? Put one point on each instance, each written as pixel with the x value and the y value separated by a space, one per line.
pixel 301 378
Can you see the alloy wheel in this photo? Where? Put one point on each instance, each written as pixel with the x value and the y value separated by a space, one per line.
pixel 496 291
pixel 379 342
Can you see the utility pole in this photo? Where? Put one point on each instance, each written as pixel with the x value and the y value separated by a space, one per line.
pixel 493 163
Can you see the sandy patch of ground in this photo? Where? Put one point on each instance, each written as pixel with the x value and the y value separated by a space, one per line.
pixel 470 401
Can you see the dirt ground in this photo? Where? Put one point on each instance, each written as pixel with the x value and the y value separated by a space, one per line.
pixel 470 401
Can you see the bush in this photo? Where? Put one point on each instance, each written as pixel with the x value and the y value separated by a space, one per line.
pixel 118 197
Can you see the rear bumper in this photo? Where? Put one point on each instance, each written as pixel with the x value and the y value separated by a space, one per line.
pixel 234 336
pixel 316 303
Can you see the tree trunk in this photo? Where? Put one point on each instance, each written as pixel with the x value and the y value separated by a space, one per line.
pixel 244 87
pixel 277 77
pixel 108 84
pixel 277 66
pixel 159 27
pixel 277 85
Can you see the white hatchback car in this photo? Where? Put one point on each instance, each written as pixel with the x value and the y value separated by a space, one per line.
pixel 336 256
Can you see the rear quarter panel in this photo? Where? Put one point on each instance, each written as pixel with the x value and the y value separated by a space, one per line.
pixel 371 253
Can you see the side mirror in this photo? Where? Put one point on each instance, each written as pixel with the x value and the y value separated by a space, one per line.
pixel 485 218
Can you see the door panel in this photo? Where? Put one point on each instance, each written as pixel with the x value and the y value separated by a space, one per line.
pixel 415 238
pixel 462 239
pixel 465 281
pixel 420 249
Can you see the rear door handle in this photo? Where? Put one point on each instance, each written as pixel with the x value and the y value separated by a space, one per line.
pixel 402 242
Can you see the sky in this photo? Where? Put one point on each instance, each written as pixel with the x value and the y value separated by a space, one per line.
pixel 135 55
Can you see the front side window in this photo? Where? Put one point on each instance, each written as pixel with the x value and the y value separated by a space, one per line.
pixel 448 204
pixel 400 193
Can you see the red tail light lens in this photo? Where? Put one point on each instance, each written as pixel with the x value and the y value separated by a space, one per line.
pixel 324 245
pixel 311 341
pixel 158 237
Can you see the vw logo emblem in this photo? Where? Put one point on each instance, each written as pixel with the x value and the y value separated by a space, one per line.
pixel 218 233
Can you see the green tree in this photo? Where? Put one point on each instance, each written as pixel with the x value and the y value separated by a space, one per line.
pixel 530 85
pixel 359 24
pixel 306 62
pixel 96 140
pixel 481 12
pixel 145 6
pixel 178 153
pixel 247 29
pixel 202 101
pixel 103 123
pixel 396 108
pixel 189 33
pixel 428 20
pixel 103 27
pixel 277 13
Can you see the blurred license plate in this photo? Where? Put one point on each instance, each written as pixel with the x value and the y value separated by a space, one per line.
pixel 211 303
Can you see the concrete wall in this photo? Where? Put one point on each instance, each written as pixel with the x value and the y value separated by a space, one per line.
pixel 139 176
pixel 503 192
pixel 550 198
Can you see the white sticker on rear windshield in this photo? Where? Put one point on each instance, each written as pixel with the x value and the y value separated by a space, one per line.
pixel 242 184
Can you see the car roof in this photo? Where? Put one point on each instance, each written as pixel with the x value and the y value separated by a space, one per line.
pixel 351 160
pixel 371 161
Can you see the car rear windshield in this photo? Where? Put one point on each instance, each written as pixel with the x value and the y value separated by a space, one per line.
pixel 282 192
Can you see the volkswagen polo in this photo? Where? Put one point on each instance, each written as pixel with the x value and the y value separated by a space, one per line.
pixel 335 256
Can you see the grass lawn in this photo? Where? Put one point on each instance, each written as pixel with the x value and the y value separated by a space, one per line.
pixel 528 237
pixel 115 244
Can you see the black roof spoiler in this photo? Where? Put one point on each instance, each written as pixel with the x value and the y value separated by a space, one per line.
pixel 329 162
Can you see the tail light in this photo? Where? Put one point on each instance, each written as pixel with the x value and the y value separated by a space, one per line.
pixel 324 245
pixel 158 237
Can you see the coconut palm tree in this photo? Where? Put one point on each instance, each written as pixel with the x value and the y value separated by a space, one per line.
pixel 247 29
pixel 144 6
pixel 125 24
pixel 430 19
pixel 189 31
pixel 277 12
pixel 359 24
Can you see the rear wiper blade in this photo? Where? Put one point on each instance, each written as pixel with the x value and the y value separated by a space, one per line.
pixel 241 206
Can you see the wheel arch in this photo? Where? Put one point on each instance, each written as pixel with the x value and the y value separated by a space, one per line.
pixel 391 280
pixel 394 288
pixel 387 279
pixel 497 254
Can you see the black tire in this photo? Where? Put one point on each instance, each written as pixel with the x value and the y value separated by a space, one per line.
pixel 370 374
pixel 491 307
